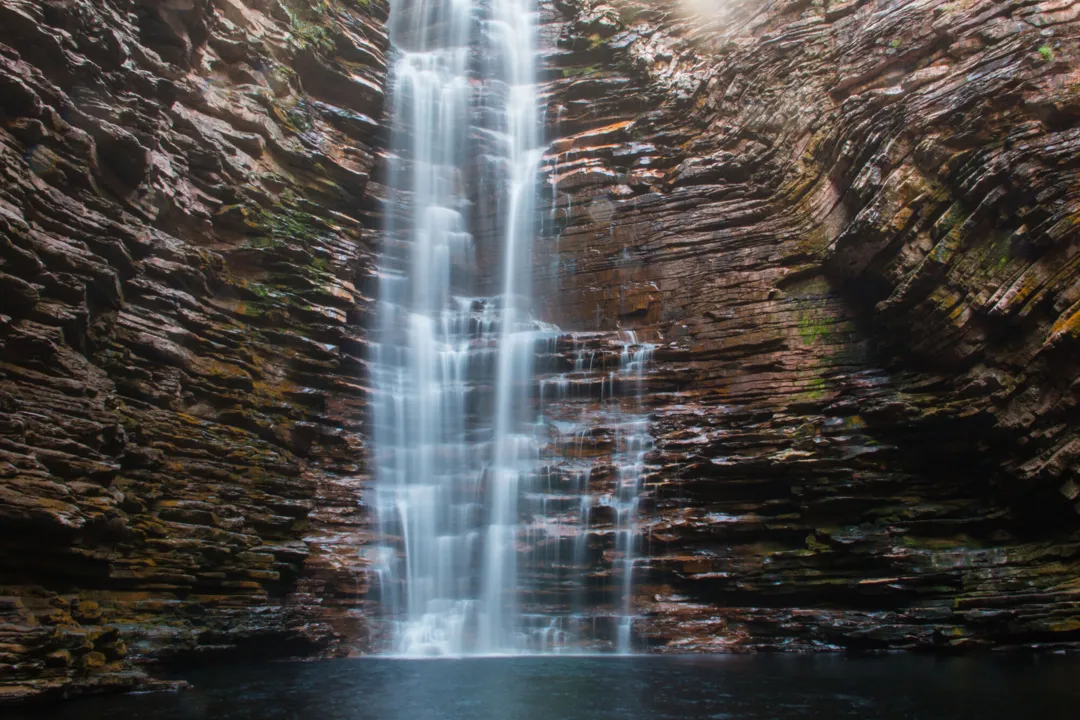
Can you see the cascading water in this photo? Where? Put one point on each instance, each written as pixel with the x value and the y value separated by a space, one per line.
pixel 633 442
pixel 448 465
pixel 486 532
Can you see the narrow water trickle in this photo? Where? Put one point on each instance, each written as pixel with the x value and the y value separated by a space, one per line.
pixel 485 530
pixel 633 442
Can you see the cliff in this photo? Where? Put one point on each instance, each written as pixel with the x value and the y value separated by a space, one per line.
pixel 185 243
pixel 850 229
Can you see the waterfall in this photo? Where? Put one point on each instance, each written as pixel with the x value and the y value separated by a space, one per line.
pixel 448 465
pixel 484 528
pixel 633 442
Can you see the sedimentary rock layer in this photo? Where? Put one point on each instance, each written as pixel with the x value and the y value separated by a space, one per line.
pixel 851 229
pixel 185 240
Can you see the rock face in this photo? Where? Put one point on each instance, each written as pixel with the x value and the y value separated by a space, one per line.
pixel 850 229
pixel 184 243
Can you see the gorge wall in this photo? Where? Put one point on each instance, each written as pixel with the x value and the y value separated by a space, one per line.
pixel 185 245
pixel 849 228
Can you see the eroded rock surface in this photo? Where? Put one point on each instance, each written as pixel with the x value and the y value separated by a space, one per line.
pixel 850 227
pixel 184 243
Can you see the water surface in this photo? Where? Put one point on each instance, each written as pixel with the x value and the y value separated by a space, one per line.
pixel 653 688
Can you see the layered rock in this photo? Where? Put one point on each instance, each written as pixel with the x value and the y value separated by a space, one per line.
pixel 185 245
pixel 849 227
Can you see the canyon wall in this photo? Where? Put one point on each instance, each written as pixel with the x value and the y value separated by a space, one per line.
pixel 849 228
pixel 185 242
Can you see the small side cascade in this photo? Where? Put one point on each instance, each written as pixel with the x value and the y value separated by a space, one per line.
pixel 633 443
pixel 593 406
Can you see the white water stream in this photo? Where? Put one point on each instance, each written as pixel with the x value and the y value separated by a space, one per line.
pixel 485 546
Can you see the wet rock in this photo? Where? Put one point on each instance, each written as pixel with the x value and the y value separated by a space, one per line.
pixel 861 302
pixel 849 229
pixel 155 498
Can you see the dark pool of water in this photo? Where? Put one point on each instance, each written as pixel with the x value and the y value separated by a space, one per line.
pixel 653 688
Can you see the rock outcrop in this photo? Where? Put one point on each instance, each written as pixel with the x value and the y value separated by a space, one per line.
pixel 849 227
pixel 184 244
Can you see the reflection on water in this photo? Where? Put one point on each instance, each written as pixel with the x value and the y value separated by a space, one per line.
pixel 612 688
